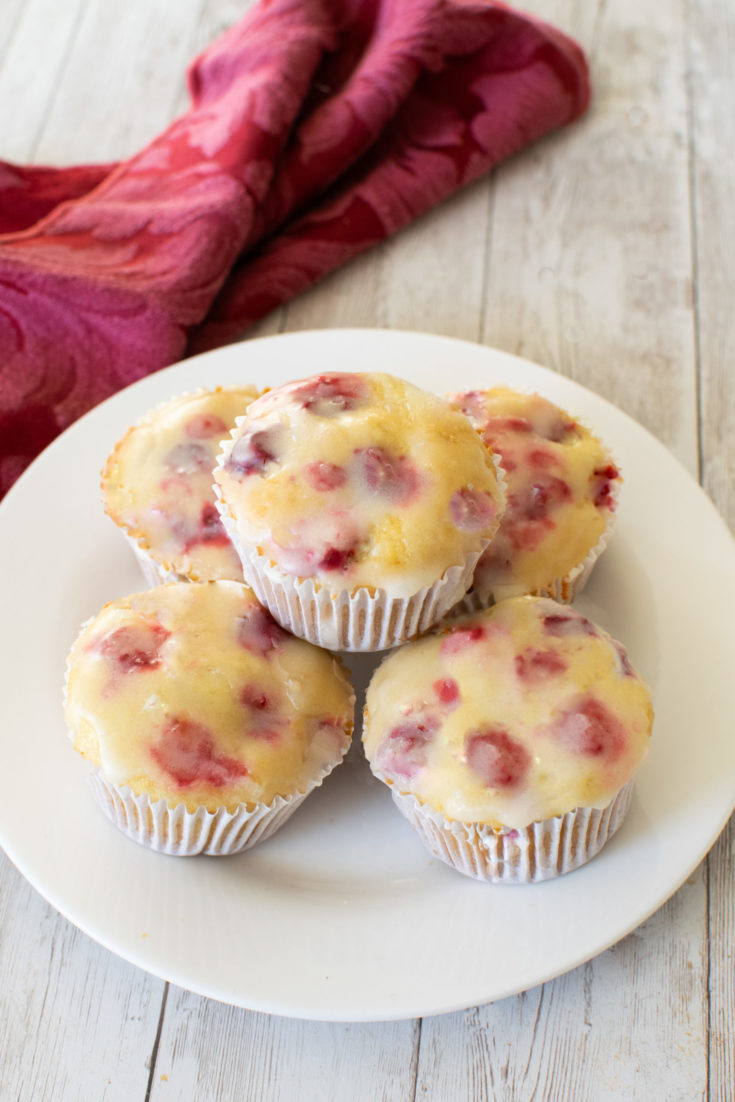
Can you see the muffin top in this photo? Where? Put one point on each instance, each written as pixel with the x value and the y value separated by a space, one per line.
pixel 515 714
pixel 359 480
pixel 561 484
pixel 192 693
pixel 157 483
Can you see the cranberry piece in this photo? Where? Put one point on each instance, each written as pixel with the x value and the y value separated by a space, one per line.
pixel 251 453
pixel 189 458
pixel 447 690
pixel 403 751
pixel 331 394
pixel 134 646
pixel 210 529
pixel 535 665
pixel 472 509
pixel 471 403
pixel 461 638
pixel 549 423
pixel 625 666
pixel 527 535
pixel 255 699
pixel 186 751
pixel 602 487
pixel 211 526
pixel 325 476
pixel 204 425
pixel 499 760
pixel 259 633
pixel 540 457
pixel 544 495
pixel 391 476
pixel 590 729
pixel 508 424
pixel 336 558
pixel 264 722
pixel 560 624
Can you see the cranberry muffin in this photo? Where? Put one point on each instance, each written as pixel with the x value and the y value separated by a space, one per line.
pixel 510 740
pixel 359 505
pixel 207 724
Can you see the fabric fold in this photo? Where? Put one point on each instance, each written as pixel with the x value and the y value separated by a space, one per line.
pixel 316 129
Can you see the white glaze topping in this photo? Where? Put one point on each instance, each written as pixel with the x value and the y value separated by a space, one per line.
pixel 359 480
pixel 515 714
pixel 191 692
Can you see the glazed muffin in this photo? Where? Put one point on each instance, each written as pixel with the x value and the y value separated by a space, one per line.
pixel 206 723
pixel 359 505
pixel 510 740
pixel 562 488
pixel 157 486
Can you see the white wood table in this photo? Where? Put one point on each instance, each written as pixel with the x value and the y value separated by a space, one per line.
pixel 607 253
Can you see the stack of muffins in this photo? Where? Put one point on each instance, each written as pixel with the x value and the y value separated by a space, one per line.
pixel 356 512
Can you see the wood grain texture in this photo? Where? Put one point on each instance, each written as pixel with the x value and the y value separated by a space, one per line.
pixel 593 226
pixel 34 59
pixel 605 252
pixel 712 92
pixel 129 60
pixel 428 277
pixel 212 1051
pixel 622 1026
pixel 77 1022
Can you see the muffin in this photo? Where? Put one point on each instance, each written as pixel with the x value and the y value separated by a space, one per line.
pixel 157 487
pixel 206 723
pixel 510 740
pixel 359 505
pixel 562 488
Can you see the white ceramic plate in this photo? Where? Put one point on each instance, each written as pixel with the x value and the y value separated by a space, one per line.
pixel 343 915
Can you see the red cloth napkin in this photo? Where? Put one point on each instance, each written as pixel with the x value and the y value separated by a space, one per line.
pixel 316 128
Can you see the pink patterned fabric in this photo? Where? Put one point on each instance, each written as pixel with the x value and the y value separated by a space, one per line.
pixel 316 128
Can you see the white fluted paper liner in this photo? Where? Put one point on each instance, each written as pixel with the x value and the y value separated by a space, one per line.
pixel 362 620
pixel 357 620
pixel 182 833
pixel 541 851
pixel 154 572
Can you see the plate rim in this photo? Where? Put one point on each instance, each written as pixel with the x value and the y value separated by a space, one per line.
pixel 81 426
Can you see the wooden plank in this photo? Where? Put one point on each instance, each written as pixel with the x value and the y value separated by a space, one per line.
pixel 721 921
pixel 32 64
pixel 712 87
pixel 409 281
pixel 712 44
pixel 590 263
pixel 77 1022
pixel 128 62
pixel 208 1050
pixel 611 1030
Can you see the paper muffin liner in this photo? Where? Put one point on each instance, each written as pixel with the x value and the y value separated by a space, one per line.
pixel 154 572
pixel 182 833
pixel 544 850
pixel 350 620
pixel 361 620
